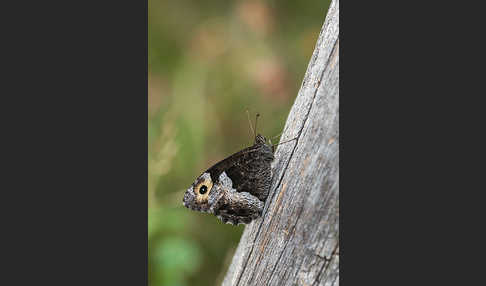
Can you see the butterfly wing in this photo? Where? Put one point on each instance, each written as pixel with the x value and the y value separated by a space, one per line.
pixel 248 169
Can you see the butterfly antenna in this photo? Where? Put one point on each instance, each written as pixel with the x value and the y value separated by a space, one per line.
pixel 256 120
pixel 249 123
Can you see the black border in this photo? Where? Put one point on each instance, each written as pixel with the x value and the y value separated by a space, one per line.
pixel 76 143
pixel 411 127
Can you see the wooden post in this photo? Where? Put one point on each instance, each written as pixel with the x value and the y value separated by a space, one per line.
pixel 296 242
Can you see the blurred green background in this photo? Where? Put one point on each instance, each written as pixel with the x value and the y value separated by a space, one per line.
pixel 209 61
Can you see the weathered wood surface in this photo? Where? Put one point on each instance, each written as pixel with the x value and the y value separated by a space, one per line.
pixel 296 242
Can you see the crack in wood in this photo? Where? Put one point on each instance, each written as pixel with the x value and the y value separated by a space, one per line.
pixel 327 262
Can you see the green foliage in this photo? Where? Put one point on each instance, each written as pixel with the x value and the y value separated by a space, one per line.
pixel 208 62
pixel 177 258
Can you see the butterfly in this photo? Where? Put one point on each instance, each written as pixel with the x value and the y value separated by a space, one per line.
pixel 235 189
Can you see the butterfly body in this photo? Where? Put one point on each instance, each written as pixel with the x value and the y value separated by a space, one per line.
pixel 234 189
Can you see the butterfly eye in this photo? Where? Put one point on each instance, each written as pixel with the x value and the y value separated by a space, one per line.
pixel 203 189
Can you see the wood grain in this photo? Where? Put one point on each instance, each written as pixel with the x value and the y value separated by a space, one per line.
pixel 296 241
